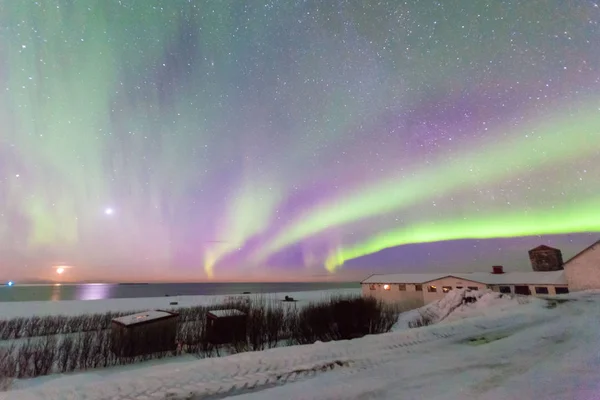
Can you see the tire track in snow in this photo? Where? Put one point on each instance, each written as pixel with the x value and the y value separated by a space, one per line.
pixel 368 358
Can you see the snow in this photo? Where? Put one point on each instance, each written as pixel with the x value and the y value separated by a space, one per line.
pixel 507 278
pixel 453 306
pixel 492 349
pixel 225 313
pixel 142 317
pixel 81 307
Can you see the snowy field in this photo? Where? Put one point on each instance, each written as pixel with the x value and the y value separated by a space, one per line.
pixel 496 348
pixel 80 307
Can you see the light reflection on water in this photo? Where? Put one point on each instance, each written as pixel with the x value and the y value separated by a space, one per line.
pixel 93 291
pixel 98 291
pixel 55 295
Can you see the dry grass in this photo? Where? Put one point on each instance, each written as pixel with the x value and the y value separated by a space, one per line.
pixel 60 344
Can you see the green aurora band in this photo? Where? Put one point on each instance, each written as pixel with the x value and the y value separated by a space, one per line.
pixel 574 218
pixel 487 165
pixel 222 133
pixel 249 213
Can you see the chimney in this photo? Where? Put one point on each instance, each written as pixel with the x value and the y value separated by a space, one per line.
pixel 497 269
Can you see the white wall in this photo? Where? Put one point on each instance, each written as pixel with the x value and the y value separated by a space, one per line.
pixel 551 289
pixel 393 295
pixel 584 271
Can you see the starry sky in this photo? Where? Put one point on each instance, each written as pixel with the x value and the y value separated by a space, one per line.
pixel 294 140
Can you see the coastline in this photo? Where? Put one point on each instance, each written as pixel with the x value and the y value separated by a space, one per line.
pixel 15 309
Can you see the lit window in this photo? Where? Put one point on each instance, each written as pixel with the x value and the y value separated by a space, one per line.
pixel 418 288
pixel 402 287
pixel 386 287
pixel 432 289
pixel 446 289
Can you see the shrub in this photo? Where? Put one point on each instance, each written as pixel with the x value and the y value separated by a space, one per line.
pixel 343 318
pixel 86 341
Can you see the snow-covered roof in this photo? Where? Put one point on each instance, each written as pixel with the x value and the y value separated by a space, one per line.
pixel 516 278
pixel 507 278
pixel 226 313
pixel 139 318
pixel 403 278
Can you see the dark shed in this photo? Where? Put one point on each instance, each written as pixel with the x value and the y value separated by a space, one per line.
pixel 144 333
pixel 225 326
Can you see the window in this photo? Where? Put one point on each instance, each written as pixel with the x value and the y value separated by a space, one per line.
pixel 418 288
pixel 522 290
pixel 541 290
pixel 446 289
pixel 459 287
pixel 472 288
pixel 372 287
pixel 562 290
pixel 402 287
pixel 504 289
pixel 386 287
pixel 431 289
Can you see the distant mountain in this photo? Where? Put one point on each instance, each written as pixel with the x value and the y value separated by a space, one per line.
pixel 34 281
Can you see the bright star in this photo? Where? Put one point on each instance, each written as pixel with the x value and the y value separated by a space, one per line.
pixel 109 211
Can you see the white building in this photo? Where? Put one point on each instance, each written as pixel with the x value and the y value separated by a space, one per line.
pixel 583 270
pixel 425 288
pixel 579 273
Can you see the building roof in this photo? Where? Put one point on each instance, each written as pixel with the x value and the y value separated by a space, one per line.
pixel 507 278
pixel 582 252
pixel 226 313
pixel 143 317
pixel 516 278
pixel 403 278
pixel 542 247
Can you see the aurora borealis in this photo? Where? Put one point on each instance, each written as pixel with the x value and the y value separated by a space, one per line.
pixel 192 140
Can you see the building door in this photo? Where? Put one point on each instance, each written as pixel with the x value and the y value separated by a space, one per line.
pixel 522 290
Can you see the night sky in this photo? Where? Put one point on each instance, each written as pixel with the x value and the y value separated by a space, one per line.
pixel 286 140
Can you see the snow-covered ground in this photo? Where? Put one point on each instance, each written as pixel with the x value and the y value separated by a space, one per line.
pixel 80 307
pixel 497 348
pixel 453 307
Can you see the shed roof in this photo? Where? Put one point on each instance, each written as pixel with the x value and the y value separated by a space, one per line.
pixel 404 278
pixel 507 278
pixel 226 313
pixel 143 317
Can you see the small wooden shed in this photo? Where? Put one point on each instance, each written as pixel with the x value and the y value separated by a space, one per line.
pixel 225 326
pixel 144 333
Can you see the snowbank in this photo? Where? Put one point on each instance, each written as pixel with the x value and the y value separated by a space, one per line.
pixel 464 303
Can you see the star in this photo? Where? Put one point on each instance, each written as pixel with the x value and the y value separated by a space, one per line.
pixel 240 138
